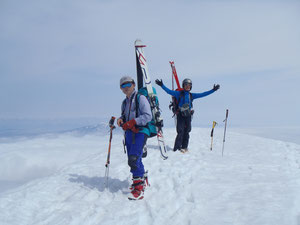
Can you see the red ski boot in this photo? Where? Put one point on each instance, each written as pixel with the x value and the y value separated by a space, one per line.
pixel 146 182
pixel 138 189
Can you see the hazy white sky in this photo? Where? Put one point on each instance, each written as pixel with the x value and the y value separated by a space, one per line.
pixel 64 59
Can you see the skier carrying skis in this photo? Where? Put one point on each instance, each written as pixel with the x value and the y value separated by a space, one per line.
pixel 135 133
pixel 185 111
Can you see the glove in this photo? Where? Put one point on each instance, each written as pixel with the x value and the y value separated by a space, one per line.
pixel 130 125
pixel 135 130
pixel 159 82
pixel 216 87
pixel 120 122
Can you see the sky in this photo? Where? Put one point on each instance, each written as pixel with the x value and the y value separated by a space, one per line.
pixel 63 59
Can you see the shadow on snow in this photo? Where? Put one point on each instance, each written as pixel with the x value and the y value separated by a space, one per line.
pixel 114 185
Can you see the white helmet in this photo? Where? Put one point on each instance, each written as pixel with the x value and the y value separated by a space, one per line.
pixel 126 79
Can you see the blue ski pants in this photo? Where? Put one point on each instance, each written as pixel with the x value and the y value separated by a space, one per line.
pixel 134 144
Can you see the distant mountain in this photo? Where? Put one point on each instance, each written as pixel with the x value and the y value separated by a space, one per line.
pixel 35 127
pixel 92 129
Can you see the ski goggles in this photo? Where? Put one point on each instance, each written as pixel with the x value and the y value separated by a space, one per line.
pixel 126 85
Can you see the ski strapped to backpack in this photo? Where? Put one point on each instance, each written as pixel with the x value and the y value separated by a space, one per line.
pixel 174 103
pixel 186 109
pixel 143 75
pixel 174 75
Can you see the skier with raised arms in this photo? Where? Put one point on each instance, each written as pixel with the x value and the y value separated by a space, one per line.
pixel 184 111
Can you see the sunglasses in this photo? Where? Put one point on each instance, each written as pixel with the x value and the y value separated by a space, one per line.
pixel 126 85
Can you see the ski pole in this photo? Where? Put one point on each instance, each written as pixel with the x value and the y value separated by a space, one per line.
pixel 224 130
pixel 111 126
pixel 124 145
pixel 212 133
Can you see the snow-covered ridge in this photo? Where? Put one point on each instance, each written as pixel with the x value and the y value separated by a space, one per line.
pixel 100 129
pixel 255 182
pixel 18 128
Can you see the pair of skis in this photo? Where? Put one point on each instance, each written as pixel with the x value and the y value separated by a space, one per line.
pixel 174 75
pixel 143 75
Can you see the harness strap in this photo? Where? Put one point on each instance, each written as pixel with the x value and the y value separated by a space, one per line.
pixel 123 113
pixel 124 107
pixel 137 107
pixel 182 95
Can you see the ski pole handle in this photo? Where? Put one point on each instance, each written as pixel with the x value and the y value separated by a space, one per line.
pixel 224 130
pixel 111 125
pixel 213 126
pixel 226 116
pixel 112 121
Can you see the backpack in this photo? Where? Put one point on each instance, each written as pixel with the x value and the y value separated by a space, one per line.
pixel 150 128
pixel 152 132
pixel 174 104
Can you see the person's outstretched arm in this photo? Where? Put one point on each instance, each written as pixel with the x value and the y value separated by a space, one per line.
pixel 203 94
pixel 170 92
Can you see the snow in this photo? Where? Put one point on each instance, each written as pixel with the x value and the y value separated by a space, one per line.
pixel 59 179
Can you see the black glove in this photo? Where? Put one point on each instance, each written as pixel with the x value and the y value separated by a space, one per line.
pixel 159 82
pixel 216 87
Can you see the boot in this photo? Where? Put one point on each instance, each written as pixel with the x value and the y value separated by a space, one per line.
pixel 138 189
pixel 184 150
pixel 176 148
pixel 145 179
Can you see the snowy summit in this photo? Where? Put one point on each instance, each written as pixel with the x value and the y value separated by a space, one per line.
pixel 256 182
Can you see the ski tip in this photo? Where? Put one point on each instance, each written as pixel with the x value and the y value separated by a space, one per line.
pixel 135 199
pixel 164 157
pixel 139 43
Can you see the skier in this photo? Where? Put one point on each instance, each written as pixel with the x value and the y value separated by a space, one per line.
pixel 184 111
pixel 135 133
